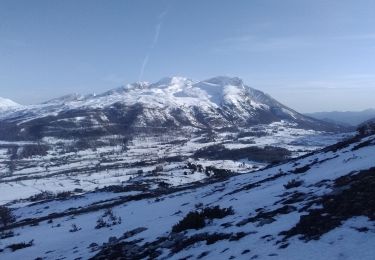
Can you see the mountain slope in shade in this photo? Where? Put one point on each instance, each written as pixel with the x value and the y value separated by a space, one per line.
pixel 367 127
pixel 319 206
pixel 216 103
pixel 352 118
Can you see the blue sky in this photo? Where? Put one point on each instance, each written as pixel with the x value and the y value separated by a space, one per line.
pixel 311 55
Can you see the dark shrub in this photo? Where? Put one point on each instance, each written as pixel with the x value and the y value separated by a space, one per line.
pixel 12 152
pixel 164 185
pixel 74 228
pixel 33 150
pixel 18 246
pixel 193 220
pixel 6 216
pixel 108 219
pixel 293 184
pixel 83 143
pixel 218 173
pixel 266 154
pixel 301 169
pixel 217 212
pixel 6 234
pixel 63 195
pixel 48 195
pixel 252 134
pixel 157 169
pixel 44 195
pixel 197 219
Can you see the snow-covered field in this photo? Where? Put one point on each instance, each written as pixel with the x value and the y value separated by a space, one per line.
pixel 267 207
pixel 146 158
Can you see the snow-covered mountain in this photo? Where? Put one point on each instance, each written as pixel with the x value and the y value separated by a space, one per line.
pixel 179 169
pixel 6 104
pixel 152 133
pixel 216 103
pixel 319 206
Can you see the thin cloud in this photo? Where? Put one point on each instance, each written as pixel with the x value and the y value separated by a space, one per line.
pixel 158 28
pixel 144 64
pixel 157 33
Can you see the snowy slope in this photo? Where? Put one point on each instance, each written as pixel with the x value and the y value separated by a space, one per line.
pixel 319 206
pixel 7 104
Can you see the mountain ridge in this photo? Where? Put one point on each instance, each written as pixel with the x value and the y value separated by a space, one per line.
pixel 352 118
pixel 215 103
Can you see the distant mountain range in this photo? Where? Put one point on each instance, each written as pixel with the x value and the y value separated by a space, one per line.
pixel 351 118
pixel 174 102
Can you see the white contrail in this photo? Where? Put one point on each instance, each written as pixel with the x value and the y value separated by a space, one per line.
pixel 154 42
pixel 156 37
pixel 144 63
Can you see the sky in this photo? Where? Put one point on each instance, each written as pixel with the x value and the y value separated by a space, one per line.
pixel 312 55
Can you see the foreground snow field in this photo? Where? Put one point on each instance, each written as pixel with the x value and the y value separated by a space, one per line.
pixel 319 206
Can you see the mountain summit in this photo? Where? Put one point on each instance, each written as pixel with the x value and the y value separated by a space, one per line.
pixel 7 103
pixel 174 102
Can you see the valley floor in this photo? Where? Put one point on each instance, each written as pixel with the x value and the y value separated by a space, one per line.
pixel 146 159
